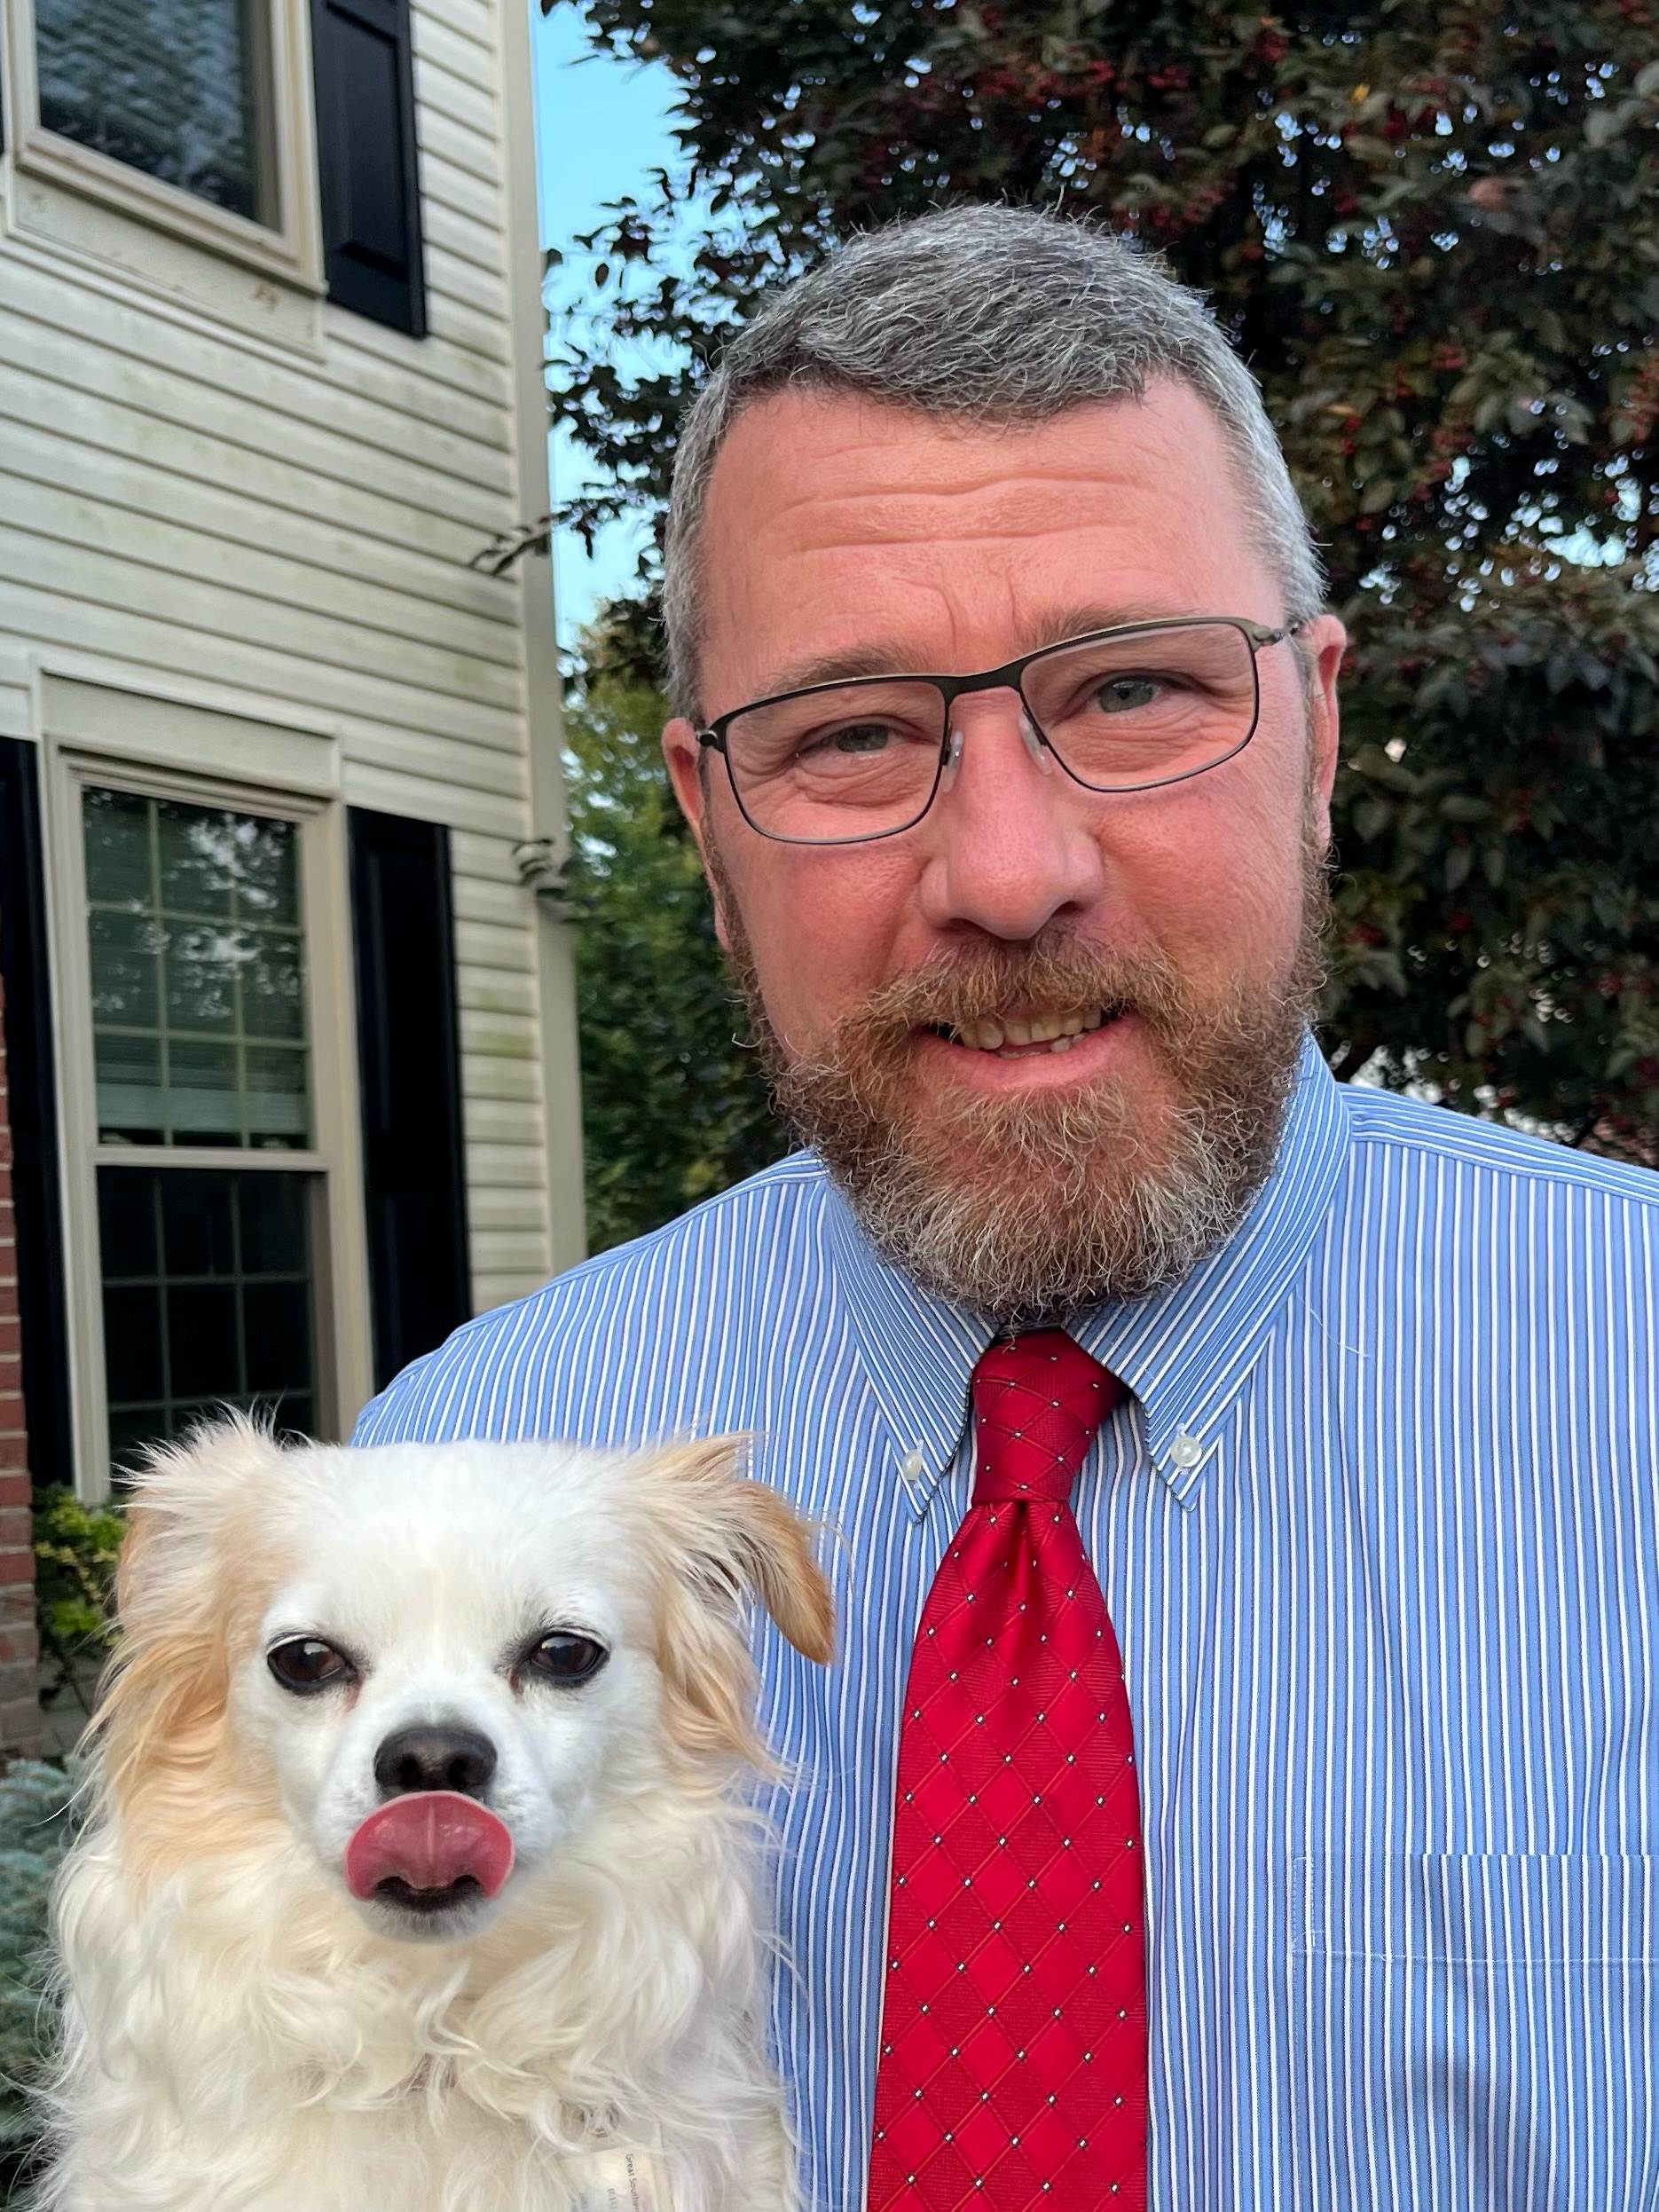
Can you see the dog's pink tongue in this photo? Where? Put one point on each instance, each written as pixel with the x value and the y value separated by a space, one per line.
pixel 430 1838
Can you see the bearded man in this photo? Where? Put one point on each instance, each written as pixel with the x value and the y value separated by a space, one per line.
pixel 1237 1784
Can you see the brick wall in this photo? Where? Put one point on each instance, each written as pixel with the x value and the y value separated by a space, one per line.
pixel 20 1704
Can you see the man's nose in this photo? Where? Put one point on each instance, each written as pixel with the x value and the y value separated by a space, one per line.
pixel 1011 845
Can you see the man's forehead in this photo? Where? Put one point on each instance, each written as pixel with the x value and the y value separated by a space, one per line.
pixel 895 655
pixel 843 537
pixel 806 445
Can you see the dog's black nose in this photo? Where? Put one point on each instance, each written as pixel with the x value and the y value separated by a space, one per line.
pixel 434 1755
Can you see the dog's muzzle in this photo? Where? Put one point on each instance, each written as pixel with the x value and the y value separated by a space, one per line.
pixel 428 1851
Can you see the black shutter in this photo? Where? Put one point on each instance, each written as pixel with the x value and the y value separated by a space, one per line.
pixel 34 1117
pixel 366 158
pixel 414 1168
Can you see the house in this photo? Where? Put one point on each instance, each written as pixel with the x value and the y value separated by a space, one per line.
pixel 289 1036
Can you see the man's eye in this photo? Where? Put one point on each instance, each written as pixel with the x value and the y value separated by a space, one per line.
pixel 1123 693
pixel 565 1658
pixel 305 1665
pixel 854 738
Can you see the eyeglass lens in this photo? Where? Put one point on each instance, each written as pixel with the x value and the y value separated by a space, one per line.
pixel 862 759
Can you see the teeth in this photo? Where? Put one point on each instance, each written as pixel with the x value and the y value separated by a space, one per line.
pixel 984 1036
pixel 1057 1031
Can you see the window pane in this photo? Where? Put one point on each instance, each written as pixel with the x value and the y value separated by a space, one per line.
pixel 278 1317
pixel 272 1005
pixel 127 1226
pixel 267 874
pixel 198 1222
pixel 203 1095
pixel 201 965
pixel 273 1220
pixel 131 1096
pixel 129 1433
pixel 196 952
pixel 124 946
pixel 196 852
pixel 118 844
pixel 209 1299
pixel 132 1340
pixel 276 1095
pixel 175 88
pixel 201 1338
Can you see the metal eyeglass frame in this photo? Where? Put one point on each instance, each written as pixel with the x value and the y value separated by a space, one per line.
pixel 1007 677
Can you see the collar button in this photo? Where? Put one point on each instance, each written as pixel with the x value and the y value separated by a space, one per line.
pixel 1186 1452
pixel 911 1467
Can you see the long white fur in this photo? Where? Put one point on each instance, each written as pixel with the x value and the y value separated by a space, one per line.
pixel 240 2035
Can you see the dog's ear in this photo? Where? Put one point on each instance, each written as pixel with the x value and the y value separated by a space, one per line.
pixel 722 1540
pixel 186 1588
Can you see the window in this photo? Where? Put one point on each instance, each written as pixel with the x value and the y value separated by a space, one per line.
pixel 196 963
pixel 214 1208
pixel 208 1300
pixel 194 115
pixel 181 90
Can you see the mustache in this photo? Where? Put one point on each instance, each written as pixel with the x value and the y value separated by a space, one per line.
pixel 971 982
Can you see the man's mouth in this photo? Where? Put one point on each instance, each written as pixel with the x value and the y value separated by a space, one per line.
pixel 1014 1037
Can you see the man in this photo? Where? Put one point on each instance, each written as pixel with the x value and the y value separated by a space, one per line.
pixel 1007 725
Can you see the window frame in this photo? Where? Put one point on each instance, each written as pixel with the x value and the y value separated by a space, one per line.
pixel 290 249
pixel 333 1162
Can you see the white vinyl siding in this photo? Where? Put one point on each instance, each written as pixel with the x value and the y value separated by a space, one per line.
pixel 279 527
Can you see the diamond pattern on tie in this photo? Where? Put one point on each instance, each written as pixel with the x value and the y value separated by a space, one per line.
pixel 1012 2071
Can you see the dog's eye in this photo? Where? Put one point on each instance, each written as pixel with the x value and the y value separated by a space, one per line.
pixel 306 1664
pixel 565 1658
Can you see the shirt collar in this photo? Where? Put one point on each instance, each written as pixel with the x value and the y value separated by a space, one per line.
pixel 1185 1353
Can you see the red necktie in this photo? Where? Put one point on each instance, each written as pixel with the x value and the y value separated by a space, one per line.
pixel 1012 2073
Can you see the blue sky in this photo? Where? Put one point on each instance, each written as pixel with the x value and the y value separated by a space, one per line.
pixel 601 128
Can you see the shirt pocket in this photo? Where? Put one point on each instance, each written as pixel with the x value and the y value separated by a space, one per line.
pixel 1477 2031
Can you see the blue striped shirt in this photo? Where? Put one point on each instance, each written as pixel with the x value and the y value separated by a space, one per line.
pixel 1378 1531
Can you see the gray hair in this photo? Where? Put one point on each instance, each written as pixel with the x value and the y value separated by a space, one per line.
pixel 990 313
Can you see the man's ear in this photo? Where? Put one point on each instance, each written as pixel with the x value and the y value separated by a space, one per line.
pixel 1324 642
pixel 689 775
pixel 683 754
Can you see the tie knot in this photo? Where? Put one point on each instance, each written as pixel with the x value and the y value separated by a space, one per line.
pixel 1037 1402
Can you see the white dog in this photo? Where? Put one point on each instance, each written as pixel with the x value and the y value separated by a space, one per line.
pixel 419 1877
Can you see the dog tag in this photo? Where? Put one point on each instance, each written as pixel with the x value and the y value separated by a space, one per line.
pixel 620 2181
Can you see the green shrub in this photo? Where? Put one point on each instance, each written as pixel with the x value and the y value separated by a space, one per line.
pixel 36 1821
pixel 75 1549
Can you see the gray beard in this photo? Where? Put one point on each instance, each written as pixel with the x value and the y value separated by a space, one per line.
pixel 1030 1210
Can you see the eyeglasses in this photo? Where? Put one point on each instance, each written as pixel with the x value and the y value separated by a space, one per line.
pixel 1121 710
